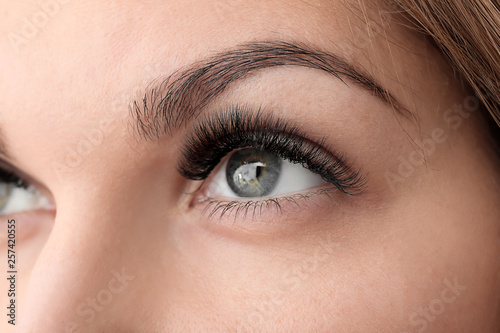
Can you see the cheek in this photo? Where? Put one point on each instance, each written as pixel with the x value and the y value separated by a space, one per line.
pixel 448 233
pixel 420 262
pixel 32 230
pixel 329 280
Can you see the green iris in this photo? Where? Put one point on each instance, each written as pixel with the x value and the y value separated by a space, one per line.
pixel 252 172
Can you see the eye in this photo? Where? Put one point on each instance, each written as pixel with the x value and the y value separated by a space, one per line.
pixel 253 161
pixel 254 173
pixel 17 196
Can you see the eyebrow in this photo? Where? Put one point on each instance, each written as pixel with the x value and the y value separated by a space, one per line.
pixel 182 96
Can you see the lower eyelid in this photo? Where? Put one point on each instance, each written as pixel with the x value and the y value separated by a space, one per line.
pixel 30 223
pixel 266 209
pixel 255 220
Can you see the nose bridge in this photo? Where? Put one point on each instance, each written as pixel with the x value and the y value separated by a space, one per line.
pixel 107 228
pixel 81 274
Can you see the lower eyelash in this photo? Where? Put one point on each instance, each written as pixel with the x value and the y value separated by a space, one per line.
pixel 219 208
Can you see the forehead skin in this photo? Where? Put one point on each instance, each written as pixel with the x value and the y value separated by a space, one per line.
pixel 90 58
pixel 105 53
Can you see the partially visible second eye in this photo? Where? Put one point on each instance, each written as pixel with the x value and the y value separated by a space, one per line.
pixel 16 196
pixel 253 173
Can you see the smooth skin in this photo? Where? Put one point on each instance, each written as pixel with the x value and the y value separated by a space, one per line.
pixel 125 250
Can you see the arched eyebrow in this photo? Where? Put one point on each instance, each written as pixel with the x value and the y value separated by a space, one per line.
pixel 180 97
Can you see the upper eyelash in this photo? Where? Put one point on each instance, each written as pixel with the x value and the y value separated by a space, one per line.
pixel 217 135
pixel 9 177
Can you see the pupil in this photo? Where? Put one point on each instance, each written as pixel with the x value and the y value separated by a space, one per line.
pixel 259 171
pixel 252 172
pixel 248 173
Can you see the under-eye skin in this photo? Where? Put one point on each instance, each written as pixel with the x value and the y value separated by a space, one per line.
pixel 258 143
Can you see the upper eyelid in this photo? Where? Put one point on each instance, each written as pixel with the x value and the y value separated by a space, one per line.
pixel 200 152
pixel 208 129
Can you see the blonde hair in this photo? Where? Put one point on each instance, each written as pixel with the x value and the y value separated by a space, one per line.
pixel 468 33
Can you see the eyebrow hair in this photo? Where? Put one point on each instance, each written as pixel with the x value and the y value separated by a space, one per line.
pixel 184 94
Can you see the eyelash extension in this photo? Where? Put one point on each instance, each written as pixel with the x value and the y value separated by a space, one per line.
pixel 217 135
pixel 11 178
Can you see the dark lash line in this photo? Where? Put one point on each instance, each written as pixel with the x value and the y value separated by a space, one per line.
pixel 9 177
pixel 217 135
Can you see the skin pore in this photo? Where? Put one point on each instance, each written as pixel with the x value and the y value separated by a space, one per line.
pixel 130 248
